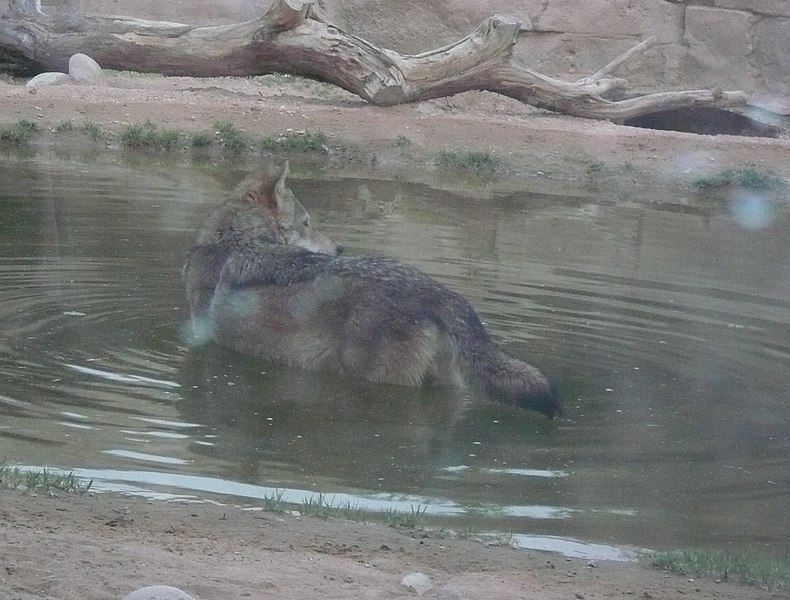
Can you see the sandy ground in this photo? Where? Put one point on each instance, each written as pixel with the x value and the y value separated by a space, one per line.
pixel 103 546
pixel 554 152
pixel 92 547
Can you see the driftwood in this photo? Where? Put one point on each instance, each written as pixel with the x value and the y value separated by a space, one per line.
pixel 291 37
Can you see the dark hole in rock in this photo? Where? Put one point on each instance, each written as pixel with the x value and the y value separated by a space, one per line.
pixel 709 121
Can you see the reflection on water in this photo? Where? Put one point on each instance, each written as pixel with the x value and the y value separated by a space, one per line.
pixel 666 324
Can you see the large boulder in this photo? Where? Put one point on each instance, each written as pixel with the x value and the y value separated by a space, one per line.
pixel 84 70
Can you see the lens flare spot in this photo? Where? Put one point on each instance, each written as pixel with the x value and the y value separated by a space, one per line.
pixel 752 211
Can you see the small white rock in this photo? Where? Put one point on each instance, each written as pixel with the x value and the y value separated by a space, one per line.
pixel 158 592
pixel 47 79
pixel 417 582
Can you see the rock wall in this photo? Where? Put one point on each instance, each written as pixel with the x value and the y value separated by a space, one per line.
pixel 731 44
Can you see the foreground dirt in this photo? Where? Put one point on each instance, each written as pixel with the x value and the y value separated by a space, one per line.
pixel 99 547
pixel 92 547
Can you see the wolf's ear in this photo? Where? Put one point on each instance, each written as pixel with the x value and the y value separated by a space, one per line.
pixel 283 198
pixel 266 187
pixel 279 185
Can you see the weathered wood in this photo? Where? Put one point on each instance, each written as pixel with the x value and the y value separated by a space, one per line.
pixel 292 38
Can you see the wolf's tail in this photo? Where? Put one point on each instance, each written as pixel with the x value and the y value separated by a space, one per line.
pixel 508 379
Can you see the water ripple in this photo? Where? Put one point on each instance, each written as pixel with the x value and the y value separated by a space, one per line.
pixel 665 329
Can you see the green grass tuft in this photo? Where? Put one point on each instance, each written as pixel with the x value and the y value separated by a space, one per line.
pixel 594 167
pixel 274 502
pixel 748 177
pixel 170 139
pixel 92 130
pixel 753 568
pixel 398 518
pixel 66 126
pixel 202 139
pixel 467 160
pixel 14 135
pixel 299 141
pixel 19 133
pixel 29 125
pixel 323 508
pixel 231 137
pixel 147 135
pixel 14 477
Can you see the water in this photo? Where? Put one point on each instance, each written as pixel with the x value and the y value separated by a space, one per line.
pixel 666 324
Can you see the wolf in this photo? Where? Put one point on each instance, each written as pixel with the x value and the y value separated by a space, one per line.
pixel 261 280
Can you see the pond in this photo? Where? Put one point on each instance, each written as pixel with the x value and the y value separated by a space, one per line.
pixel 665 323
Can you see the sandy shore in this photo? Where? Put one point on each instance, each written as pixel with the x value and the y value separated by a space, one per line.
pixel 103 546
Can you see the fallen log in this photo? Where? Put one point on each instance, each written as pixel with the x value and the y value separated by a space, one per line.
pixel 291 37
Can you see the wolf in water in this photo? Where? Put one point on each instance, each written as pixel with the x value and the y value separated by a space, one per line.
pixel 259 279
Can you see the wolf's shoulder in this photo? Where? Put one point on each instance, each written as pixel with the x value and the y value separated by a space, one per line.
pixel 235 222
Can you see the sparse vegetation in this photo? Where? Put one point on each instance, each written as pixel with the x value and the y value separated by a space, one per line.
pixel 14 135
pixel 299 141
pixel 19 133
pixel 148 135
pixel 92 129
pixel 274 502
pixel 593 167
pixel 753 568
pixel 202 139
pixel 170 138
pixel 136 135
pixel 27 125
pixel 323 508
pixel 231 137
pixel 65 126
pixel 30 480
pixel 397 518
pixel 402 142
pixel 748 177
pixel 467 160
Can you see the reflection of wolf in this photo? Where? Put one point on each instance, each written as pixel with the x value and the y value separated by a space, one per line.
pixel 261 280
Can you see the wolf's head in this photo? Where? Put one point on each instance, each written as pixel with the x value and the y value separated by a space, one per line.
pixel 282 213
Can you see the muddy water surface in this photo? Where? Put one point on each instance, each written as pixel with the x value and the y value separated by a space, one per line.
pixel 666 324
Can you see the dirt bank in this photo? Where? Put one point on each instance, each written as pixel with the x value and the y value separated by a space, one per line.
pixel 98 547
pixel 555 153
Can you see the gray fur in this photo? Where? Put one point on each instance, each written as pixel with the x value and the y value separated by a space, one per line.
pixel 262 281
